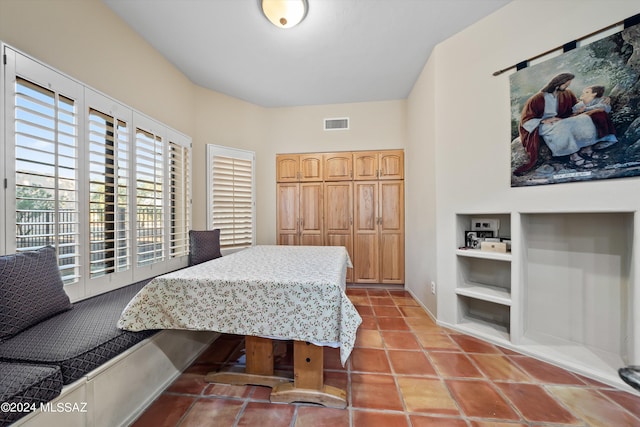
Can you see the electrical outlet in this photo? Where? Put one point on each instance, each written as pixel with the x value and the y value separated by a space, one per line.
pixel 433 288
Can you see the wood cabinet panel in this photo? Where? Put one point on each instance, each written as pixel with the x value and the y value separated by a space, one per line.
pixel 339 207
pixel 310 167
pixel 288 239
pixel 287 167
pixel 288 207
pixel 338 166
pixel 338 217
pixel 300 214
pixel 391 164
pixel 346 240
pixel 392 258
pixel 365 165
pixel 379 218
pixel 311 240
pixel 350 199
pixel 298 167
pixel 368 165
pixel 366 251
pixel 287 213
pixel 366 267
pixel 311 214
pixel 366 206
pixel 392 231
pixel 392 206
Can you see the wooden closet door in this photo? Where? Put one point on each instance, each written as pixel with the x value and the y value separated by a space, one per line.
pixel 288 214
pixel 311 214
pixel 338 217
pixel 365 250
pixel 392 232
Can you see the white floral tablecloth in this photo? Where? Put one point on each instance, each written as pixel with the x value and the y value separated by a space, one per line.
pixel 281 292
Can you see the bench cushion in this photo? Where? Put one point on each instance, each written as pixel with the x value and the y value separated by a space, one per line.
pixel 26 385
pixel 31 290
pixel 78 340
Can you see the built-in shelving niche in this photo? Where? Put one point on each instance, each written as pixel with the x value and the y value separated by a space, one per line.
pixel 564 295
pixel 577 270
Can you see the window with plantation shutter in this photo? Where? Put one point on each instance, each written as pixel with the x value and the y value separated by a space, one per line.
pixel 107 186
pixel 109 171
pixel 149 198
pixel 231 196
pixel 46 173
pixel 180 205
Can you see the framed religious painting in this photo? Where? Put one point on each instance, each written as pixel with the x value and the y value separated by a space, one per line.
pixel 576 116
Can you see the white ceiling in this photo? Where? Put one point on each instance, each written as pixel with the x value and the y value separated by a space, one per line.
pixel 344 50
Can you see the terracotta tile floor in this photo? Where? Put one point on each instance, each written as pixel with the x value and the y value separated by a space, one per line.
pixel 404 371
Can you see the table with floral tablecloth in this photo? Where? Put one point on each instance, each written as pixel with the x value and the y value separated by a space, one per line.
pixel 280 292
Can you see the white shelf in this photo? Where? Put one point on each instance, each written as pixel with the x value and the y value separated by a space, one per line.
pixel 483 329
pixel 478 253
pixel 486 293
pixel 483 289
pixel 550 300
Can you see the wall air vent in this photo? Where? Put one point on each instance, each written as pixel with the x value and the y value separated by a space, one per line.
pixel 341 123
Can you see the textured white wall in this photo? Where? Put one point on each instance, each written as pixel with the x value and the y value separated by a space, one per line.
pixel 470 132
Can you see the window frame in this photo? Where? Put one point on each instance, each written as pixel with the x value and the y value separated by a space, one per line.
pixel 85 98
pixel 182 258
pixel 24 67
pixel 99 102
pixel 212 151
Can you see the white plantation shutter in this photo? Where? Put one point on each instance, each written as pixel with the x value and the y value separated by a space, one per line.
pixel 149 197
pixel 107 186
pixel 180 204
pixel 109 172
pixel 231 197
pixel 46 172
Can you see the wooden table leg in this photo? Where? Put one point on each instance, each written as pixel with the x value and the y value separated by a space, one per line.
pixel 259 366
pixel 308 384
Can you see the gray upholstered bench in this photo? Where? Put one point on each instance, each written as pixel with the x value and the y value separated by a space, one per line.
pixel 24 387
pixel 78 340
pixel 47 342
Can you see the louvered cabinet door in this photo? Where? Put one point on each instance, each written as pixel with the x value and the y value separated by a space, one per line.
pixel 338 217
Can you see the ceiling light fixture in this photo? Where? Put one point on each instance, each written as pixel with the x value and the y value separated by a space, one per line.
pixel 285 13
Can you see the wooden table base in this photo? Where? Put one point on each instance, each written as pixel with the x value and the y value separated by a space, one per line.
pixel 308 378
